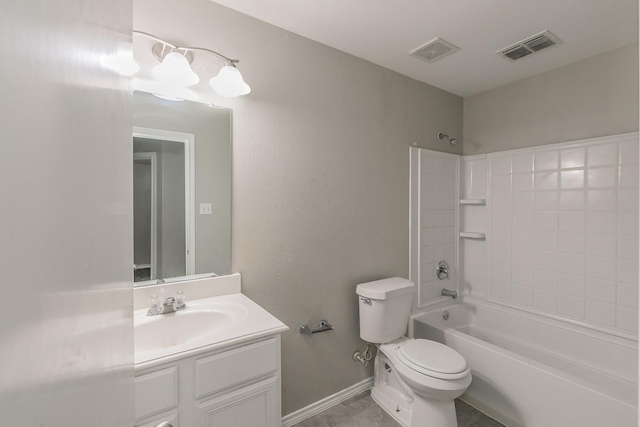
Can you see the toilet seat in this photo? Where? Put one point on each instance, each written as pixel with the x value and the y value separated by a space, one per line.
pixel 432 358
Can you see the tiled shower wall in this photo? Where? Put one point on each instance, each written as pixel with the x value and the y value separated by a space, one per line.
pixel 563 230
pixel 436 211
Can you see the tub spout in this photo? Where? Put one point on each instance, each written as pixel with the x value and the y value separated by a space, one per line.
pixel 448 293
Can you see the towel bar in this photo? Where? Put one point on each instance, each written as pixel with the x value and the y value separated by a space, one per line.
pixel 322 327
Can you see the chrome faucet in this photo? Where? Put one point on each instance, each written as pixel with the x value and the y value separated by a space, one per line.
pixel 169 305
pixel 448 293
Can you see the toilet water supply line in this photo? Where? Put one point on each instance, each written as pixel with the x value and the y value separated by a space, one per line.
pixel 365 357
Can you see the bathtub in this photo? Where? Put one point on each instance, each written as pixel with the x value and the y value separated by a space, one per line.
pixel 533 371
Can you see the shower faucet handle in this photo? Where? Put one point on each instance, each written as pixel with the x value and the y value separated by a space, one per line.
pixel 442 270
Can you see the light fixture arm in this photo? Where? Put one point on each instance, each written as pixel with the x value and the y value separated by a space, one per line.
pixel 158 39
pixel 185 49
pixel 219 55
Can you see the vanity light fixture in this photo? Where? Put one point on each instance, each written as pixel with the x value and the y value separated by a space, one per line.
pixel 175 68
pixel 229 82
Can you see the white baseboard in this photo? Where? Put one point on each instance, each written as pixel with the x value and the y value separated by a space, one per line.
pixel 326 403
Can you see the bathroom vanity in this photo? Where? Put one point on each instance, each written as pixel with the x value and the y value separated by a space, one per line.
pixel 215 363
pixel 237 385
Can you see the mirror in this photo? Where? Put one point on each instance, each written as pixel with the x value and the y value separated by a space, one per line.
pixel 182 190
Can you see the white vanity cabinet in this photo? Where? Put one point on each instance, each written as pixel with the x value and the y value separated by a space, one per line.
pixel 233 386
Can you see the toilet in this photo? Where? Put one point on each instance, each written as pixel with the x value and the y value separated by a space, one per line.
pixel 415 380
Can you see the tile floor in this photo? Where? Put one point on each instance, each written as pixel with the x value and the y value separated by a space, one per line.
pixel 362 411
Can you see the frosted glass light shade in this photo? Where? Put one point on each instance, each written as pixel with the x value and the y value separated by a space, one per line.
pixel 229 83
pixel 175 70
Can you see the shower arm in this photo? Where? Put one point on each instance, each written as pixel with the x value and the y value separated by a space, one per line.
pixel 452 141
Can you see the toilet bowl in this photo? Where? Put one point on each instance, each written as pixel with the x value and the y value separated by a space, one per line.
pixel 415 380
pixel 424 390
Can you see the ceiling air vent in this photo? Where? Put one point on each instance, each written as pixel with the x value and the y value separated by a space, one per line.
pixel 433 50
pixel 529 45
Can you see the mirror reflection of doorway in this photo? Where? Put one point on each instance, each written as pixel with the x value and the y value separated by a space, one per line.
pixel 144 216
pixel 163 216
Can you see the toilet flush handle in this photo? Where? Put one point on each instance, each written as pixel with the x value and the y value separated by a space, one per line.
pixel 365 300
pixel 165 424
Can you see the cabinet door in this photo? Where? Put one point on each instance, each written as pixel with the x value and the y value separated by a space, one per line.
pixel 156 392
pixel 253 405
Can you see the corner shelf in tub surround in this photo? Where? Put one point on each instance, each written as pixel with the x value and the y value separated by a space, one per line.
pixel 473 235
pixel 476 202
pixel 476 235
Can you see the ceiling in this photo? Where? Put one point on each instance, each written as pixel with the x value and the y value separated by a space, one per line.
pixel 385 31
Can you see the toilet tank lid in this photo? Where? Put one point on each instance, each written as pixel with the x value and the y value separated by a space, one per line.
pixel 385 288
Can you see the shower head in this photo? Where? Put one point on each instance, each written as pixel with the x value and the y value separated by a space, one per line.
pixel 452 141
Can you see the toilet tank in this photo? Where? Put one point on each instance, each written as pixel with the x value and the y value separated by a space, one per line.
pixel 384 307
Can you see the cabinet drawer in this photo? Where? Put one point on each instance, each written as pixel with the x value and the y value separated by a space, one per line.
pixel 217 372
pixel 156 392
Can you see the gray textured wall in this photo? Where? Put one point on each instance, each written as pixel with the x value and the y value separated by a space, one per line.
pixel 591 98
pixel 320 179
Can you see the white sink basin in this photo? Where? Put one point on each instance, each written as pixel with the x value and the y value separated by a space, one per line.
pixel 189 327
pixel 203 323
pixel 178 328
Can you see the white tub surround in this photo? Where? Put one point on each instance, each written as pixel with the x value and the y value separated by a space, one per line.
pixel 562 234
pixel 560 228
pixel 531 370
pixel 473 219
pixel 433 222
